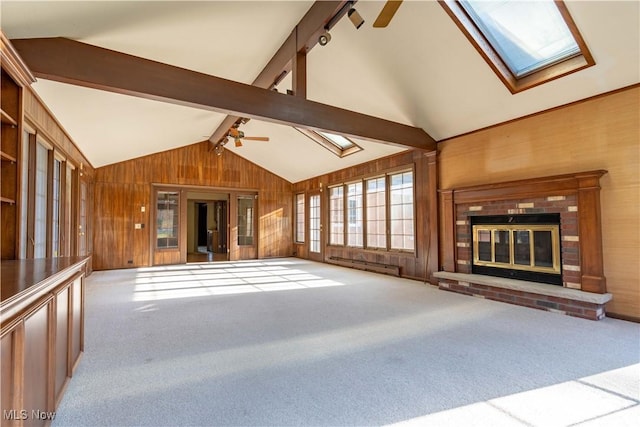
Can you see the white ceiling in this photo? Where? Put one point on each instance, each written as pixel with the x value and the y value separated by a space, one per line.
pixel 420 71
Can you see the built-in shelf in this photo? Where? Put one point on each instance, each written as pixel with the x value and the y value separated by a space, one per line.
pixel 7 119
pixel 7 200
pixel 7 157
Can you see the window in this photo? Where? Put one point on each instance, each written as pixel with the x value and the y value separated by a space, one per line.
pixel 376 213
pixel 314 223
pixel 40 232
pixel 336 216
pixel 82 220
pixel 167 220
pixel 526 43
pixel 245 220
pixel 300 217
pixel 67 208
pixel 339 145
pixel 355 215
pixel 47 194
pixel 387 208
pixel 401 214
pixel 55 212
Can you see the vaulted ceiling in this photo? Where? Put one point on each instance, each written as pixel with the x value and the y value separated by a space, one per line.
pixel 419 71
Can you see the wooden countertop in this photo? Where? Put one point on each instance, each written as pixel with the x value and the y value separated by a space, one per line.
pixel 23 281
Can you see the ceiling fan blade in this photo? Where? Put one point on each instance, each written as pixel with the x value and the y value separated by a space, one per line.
pixel 238 142
pixel 389 9
pixel 256 138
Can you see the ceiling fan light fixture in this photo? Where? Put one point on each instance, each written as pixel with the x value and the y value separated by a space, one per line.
pixel 355 18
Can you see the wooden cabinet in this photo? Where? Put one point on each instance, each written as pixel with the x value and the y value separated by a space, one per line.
pixel 14 76
pixel 41 335
pixel 9 110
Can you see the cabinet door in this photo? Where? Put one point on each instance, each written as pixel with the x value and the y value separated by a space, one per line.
pixel 36 363
pixel 62 354
pixel 77 319
pixel 10 375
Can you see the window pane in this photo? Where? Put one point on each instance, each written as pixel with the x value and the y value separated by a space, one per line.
pixel 502 251
pixel 82 218
pixel 339 140
pixel 521 248
pixel 528 35
pixel 55 220
pixel 300 218
pixel 167 221
pixel 484 245
pixel 245 220
pixel 354 215
pixel 376 213
pixel 40 235
pixel 543 248
pixel 314 224
pixel 402 211
pixel 336 216
pixel 67 215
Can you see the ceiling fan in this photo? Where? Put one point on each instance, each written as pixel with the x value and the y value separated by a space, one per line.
pixel 238 136
pixel 386 14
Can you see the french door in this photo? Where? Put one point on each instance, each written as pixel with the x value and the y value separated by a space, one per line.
pixel 169 235
pixel 315 227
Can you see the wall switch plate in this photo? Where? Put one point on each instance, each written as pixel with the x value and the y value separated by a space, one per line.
pixel 142 209
pixel 138 226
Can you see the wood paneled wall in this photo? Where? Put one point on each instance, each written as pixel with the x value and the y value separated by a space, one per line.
pixel 419 265
pixel 599 133
pixel 123 188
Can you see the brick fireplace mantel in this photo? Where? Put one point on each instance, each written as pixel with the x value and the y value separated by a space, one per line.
pixel 576 197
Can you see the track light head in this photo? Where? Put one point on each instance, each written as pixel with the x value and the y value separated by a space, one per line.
pixel 324 38
pixel 218 149
pixel 355 18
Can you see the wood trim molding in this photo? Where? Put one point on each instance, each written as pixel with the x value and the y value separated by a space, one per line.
pixel 590 231
pixel 432 249
pixel 448 220
pixel 13 63
pixel 532 187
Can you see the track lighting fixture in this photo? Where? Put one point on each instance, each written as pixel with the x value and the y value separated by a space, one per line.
pixel 324 38
pixel 218 149
pixel 355 18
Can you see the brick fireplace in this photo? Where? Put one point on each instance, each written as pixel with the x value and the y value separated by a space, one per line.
pixel 573 198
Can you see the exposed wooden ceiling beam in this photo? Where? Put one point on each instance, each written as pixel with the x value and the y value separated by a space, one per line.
pixel 81 64
pixel 303 38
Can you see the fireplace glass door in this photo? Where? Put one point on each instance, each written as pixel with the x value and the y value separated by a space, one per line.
pixel 517 246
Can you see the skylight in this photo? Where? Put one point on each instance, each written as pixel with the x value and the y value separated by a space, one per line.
pixel 338 140
pixel 528 35
pixel 527 43
pixel 338 144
